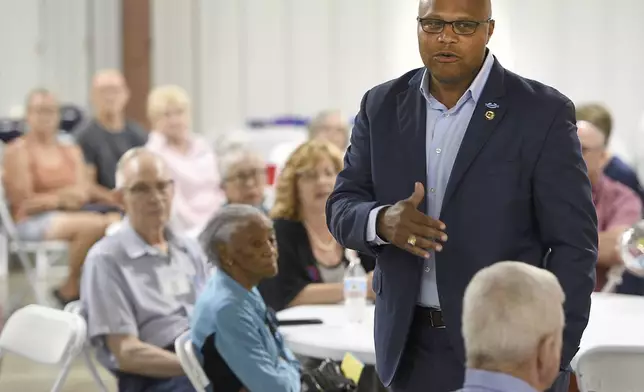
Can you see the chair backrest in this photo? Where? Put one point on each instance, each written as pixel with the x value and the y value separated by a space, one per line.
pixel 189 362
pixel 71 116
pixel 10 129
pixel 75 307
pixel 611 369
pixel 5 216
pixel 42 334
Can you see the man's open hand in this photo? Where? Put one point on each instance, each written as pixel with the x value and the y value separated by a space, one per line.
pixel 404 226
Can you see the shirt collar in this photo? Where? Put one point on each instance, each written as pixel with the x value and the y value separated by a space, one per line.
pixel 476 87
pixel 222 279
pixel 136 247
pixel 498 382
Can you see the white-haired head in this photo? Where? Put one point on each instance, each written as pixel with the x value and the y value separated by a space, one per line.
pixel 222 225
pixel 131 157
pixel 235 156
pixel 508 309
pixel 332 126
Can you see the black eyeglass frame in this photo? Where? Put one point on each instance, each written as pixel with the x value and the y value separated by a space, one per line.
pixel 474 24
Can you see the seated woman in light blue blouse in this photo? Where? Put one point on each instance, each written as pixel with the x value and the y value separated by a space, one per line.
pixel 233 331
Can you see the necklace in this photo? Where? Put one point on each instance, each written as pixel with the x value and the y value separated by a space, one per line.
pixel 317 242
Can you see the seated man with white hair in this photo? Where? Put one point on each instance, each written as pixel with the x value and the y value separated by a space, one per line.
pixel 513 323
pixel 140 283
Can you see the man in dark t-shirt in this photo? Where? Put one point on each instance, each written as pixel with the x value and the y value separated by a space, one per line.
pixel 109 134
pixel 103 148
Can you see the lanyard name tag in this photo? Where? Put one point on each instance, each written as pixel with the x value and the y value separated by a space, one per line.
pixel 173 283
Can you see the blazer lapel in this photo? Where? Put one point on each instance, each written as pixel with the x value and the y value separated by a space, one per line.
pixel 489 111
pixel 412 125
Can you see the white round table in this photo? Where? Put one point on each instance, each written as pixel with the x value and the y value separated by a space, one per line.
pixel 331 339
pixel 615 319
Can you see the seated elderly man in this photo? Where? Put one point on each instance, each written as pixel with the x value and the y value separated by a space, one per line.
pixel 232 328
pixel 618 207
pixel 513 323
pixel 141 282
pixel 243 177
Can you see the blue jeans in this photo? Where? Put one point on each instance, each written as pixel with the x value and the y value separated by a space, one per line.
pixel 136 383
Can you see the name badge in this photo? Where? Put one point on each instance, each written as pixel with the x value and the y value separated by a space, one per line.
pixel 173 283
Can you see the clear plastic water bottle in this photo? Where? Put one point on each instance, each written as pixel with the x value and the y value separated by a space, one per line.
pixel 355 289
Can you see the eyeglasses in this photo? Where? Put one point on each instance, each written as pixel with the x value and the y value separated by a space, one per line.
pixel 142 189
pixel 243 176
pixel 460 27
pixel 314 175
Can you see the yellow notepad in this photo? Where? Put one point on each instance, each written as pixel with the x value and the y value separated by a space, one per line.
pixel 351 367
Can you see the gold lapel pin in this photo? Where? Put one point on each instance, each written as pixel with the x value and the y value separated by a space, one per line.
pixel 489 115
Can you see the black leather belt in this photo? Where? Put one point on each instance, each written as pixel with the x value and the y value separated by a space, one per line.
pixel 429 316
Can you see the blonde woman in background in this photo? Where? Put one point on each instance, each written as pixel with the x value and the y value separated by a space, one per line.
pixel 311 262
pixel 189 157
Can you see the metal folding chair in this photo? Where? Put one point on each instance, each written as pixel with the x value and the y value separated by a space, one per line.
pixel 76 307
pixel 10 243
pixel 45 335
pixel 610 369
pixel 189 362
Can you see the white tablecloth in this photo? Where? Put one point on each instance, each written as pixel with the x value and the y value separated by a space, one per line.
pixel 614 320
pixel 331 339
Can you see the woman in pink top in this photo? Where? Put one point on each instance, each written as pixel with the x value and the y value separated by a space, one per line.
pixel 190 159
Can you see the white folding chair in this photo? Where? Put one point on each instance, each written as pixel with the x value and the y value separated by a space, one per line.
pixel 10 243
pixel 42 250
pixel 611 369
pixel 76 307
pixel 45 335
pixel 189 362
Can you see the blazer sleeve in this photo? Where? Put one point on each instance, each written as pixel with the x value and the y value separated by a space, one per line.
pixel 348 206
pixel 292 276
pixel 567 222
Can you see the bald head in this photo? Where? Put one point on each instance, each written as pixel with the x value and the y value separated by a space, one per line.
pixel 482 7
pixel 108 77
pixel 109 92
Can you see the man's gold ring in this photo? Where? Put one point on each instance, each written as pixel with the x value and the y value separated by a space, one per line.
pixel 411 240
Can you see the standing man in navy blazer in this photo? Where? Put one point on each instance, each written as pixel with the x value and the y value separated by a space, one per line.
pixel 451 168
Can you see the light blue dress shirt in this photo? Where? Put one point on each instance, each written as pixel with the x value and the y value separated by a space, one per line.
pixel 445 131
pixel 237 317
pixel 484 381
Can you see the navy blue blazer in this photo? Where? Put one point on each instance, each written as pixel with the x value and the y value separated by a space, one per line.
pixel 519 190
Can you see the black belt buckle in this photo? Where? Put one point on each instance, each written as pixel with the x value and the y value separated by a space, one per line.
pixel 436 319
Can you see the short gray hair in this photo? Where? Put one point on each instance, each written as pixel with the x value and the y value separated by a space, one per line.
pixel 320 118
pixel 131 154
pixel 235 156
pixel 508 308
pixel 222 225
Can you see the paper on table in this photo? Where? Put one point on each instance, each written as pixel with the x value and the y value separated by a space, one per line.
pixel 351 367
